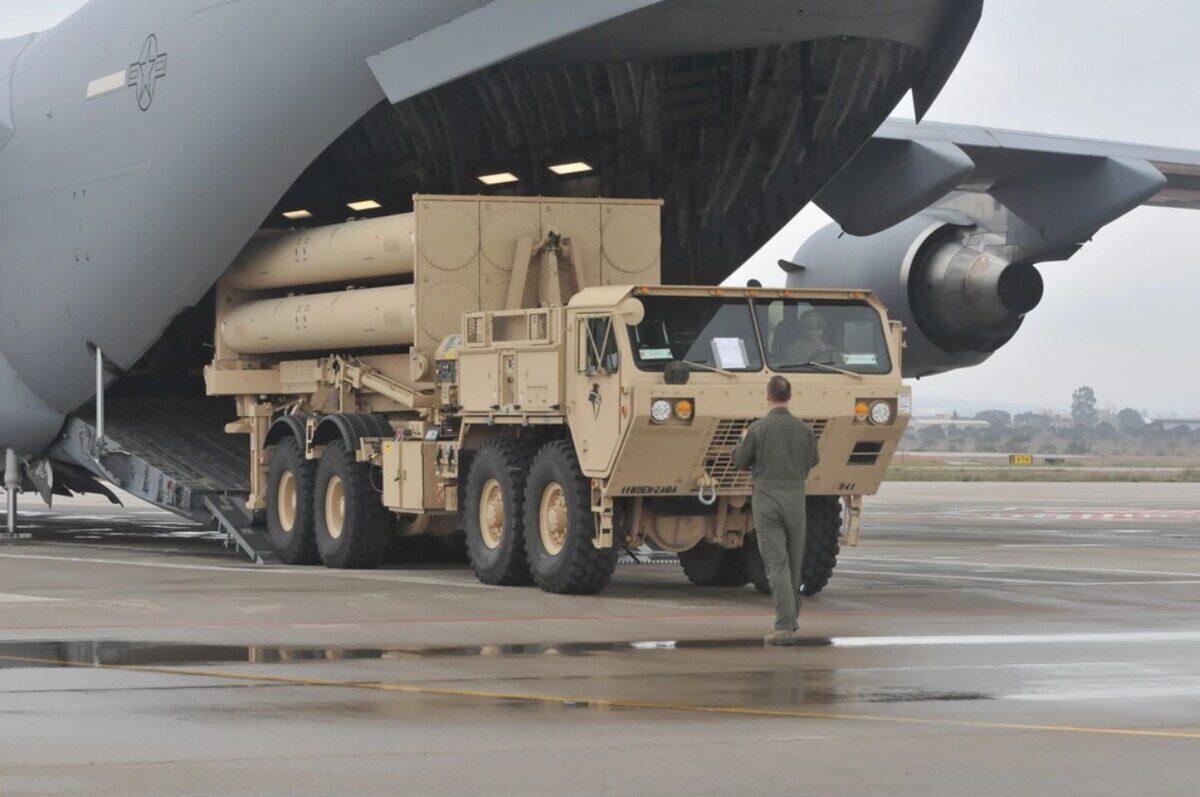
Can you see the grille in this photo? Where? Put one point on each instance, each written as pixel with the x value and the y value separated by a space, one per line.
pixel 474 330
pixel 539 326
pixel 510 327
pixel 718 460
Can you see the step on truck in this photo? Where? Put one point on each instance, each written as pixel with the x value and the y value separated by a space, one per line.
pixel 512 370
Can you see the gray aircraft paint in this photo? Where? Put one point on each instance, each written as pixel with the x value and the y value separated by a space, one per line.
pixel 121 208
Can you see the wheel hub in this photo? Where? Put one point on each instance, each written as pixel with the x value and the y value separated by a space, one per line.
pixel 552 519
pixel 335 506
pixel 285 501
pixel 491 514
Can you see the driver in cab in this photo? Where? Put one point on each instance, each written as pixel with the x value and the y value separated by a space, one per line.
pixel 811 345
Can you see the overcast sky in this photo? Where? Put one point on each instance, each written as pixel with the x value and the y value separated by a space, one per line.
pixel 1120 315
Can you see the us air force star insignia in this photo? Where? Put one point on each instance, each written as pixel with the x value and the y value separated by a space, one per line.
pixel 144 74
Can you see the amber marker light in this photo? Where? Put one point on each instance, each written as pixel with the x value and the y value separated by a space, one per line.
pixel 861 410
pixel 684 409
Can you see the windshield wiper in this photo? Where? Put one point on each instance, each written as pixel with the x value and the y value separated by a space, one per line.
pixel 814 364
pixel 712 368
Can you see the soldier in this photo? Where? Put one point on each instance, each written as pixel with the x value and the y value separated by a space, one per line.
pixel 812 346
pixel 780 450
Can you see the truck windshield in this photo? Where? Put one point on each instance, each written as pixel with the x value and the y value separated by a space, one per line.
pixel 712 332
pixel 803 335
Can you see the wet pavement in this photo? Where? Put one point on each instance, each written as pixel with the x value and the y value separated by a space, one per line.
pixel 983 639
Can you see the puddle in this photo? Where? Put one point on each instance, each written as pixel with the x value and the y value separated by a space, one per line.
pixel 121 653
pixel 117 653
pixel 767 687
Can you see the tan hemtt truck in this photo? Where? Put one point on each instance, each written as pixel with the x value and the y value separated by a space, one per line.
pixel 511 368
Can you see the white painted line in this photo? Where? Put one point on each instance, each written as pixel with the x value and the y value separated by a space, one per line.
pixel 1057 545
pixel 283 570
pixel 1002 580
pixel 1016 639
pixel 1009 566
pixel 8 597
pixel 107 84
pixel 1109 691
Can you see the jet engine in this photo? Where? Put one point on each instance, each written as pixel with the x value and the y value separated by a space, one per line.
pixel 958 289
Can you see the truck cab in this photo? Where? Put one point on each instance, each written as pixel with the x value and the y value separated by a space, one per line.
pixel 652 388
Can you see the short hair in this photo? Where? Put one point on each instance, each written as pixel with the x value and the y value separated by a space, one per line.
pixel 779 390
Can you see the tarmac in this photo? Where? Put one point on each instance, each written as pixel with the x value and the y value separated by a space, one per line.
pixel 984 639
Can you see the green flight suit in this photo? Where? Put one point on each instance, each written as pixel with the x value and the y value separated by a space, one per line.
pixel 780 450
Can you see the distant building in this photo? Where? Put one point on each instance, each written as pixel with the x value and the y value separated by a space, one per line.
pixel 956 423
pixel 1173 423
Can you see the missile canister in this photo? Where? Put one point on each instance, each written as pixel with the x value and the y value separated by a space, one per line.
pixel 355 319
pixel 380 247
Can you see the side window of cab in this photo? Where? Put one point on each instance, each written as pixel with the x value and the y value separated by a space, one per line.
pixel 598 337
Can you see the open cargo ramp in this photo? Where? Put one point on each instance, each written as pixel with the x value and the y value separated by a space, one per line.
pixel 175 454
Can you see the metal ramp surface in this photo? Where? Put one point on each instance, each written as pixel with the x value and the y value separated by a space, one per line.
pixel 175 454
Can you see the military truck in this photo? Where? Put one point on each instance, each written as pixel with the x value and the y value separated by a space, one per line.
pixel 512 370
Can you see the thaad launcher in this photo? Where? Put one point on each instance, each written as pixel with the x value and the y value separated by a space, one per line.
pixel 511 369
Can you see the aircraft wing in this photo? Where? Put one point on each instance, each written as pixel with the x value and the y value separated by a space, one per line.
pixel 1063 188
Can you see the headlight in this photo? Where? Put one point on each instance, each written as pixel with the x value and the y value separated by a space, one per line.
pixel 660 411
pixel 881 413
pixel 684 410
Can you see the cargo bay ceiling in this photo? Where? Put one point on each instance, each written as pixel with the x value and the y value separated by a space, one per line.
pixel 735 141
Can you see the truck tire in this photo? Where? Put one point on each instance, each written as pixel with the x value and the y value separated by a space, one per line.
pixel 494 513
pixel 352 525
pixel 821 547
pixel 560 525
pixel 290 481
pixel 709 565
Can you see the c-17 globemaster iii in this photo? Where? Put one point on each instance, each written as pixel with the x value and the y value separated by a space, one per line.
pixel 144 143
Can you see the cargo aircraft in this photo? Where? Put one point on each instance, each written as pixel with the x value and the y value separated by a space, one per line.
pixel 144 143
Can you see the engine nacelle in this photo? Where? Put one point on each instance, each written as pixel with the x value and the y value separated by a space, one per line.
pixel 958 293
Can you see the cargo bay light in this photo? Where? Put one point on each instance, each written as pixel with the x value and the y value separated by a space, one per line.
pixel 500 365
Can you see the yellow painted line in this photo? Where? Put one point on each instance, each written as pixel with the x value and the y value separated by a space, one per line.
pixel 742 711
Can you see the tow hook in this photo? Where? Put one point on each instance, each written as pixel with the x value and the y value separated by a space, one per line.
pixel 706 482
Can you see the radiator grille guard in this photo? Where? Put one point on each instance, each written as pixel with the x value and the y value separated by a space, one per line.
pixel 718 459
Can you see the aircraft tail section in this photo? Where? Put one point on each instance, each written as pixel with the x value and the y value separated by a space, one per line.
pixel 10 51
pixel 483 37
